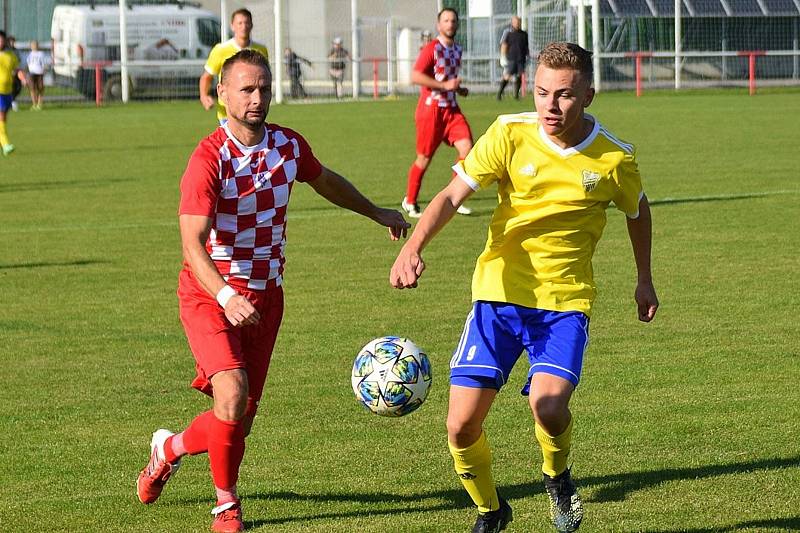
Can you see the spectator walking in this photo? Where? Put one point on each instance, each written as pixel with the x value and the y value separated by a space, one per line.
pixel 292 62
pixel 338 58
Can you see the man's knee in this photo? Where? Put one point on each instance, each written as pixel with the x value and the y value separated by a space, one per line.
pixel 463 433
pixel 422 161
pixel 551 410
pixel 230 394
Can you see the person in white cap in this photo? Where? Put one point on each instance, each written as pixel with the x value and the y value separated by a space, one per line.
pixel 338 58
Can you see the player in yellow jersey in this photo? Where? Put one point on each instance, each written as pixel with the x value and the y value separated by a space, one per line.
pixel 556 171
pixel 241 26
pixel 9 70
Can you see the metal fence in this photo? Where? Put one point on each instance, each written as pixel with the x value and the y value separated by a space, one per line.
pixel 637 44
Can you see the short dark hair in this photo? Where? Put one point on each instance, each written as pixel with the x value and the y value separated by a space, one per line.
pixel 248 56
pixel 563 55
pixel 242 11
pixel 450 9
pixel 2 33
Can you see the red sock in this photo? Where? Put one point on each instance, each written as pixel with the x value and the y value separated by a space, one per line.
pixel 225 451
pixel 414 182
pixel 193 440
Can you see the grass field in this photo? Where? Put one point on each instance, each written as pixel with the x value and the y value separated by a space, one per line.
pixel 691 423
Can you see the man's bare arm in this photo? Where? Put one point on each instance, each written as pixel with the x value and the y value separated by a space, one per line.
pixel 206 99
pixel 194 234
pixel 640 233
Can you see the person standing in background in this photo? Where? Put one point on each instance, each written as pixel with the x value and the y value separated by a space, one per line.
pixel 293 67
pixel 242 27
pixel 513 56
pixel 438 118
pixel 338 57
pixel 38 64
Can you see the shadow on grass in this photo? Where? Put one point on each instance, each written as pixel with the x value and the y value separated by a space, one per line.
pixel 780 524
pixel 608 488
pixel 717 198
pixel 616 487
pixel 47 264
pixel 64 184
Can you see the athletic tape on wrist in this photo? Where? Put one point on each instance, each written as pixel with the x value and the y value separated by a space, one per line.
pixel 225 294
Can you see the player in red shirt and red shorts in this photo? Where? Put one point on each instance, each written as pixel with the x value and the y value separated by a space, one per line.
pixel 234 198
pixel 438 117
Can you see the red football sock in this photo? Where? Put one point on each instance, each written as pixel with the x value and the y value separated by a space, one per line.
pixel 193 440
pixel 225 451
pixel 414 182
pixel 174 448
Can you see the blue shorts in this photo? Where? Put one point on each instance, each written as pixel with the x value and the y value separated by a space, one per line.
pixel 5 102
pixel 496 334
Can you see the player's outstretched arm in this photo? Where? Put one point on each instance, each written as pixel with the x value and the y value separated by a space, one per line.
pixel 194 233
pixel 338 191
pixel 408 266
pixel 640 233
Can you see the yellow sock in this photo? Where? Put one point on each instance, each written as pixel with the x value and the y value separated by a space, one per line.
pixel 555 450
pixel 3 135
pixel 473 465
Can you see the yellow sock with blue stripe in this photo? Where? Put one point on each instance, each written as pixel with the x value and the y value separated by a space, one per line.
pixel 473 465
pixel 3 135
pixel 555 450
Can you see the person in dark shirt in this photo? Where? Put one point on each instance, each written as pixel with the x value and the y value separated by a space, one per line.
pixel 292 62
pixel 513 56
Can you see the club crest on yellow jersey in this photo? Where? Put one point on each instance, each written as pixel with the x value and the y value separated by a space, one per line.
pixel 590 180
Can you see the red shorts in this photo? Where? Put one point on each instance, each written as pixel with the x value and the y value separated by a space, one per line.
pixel 439 124
pixel 217 345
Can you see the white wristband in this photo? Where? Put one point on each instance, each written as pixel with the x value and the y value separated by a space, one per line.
pixel 225 294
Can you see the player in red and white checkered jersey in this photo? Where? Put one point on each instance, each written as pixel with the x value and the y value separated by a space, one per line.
pixel 233 211
pixel 438 117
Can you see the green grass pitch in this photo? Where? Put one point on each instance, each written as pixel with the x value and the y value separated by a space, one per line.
pixel 691 423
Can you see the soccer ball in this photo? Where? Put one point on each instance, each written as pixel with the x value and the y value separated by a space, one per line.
pixel 391 376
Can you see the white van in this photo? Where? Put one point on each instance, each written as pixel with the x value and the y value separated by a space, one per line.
pixel 167 46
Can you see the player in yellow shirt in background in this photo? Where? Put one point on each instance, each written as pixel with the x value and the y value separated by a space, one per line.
pixel 9 67
pixel 241 26
pixel 556 171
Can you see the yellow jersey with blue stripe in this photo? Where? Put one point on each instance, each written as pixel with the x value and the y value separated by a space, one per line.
pixel 8 68
pixel 551 210
pixel 220 53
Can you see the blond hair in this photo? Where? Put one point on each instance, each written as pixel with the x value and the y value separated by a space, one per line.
pixel 562 55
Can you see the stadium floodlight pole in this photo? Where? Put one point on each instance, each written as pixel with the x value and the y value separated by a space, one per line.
pixel 278 71
pixel 223 20
pixel 596 43
pixel 678 47
pixel 123 50
pixel 355 54
pixel 582 23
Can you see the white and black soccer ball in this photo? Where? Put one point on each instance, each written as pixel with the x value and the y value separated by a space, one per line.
pixel 391 376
